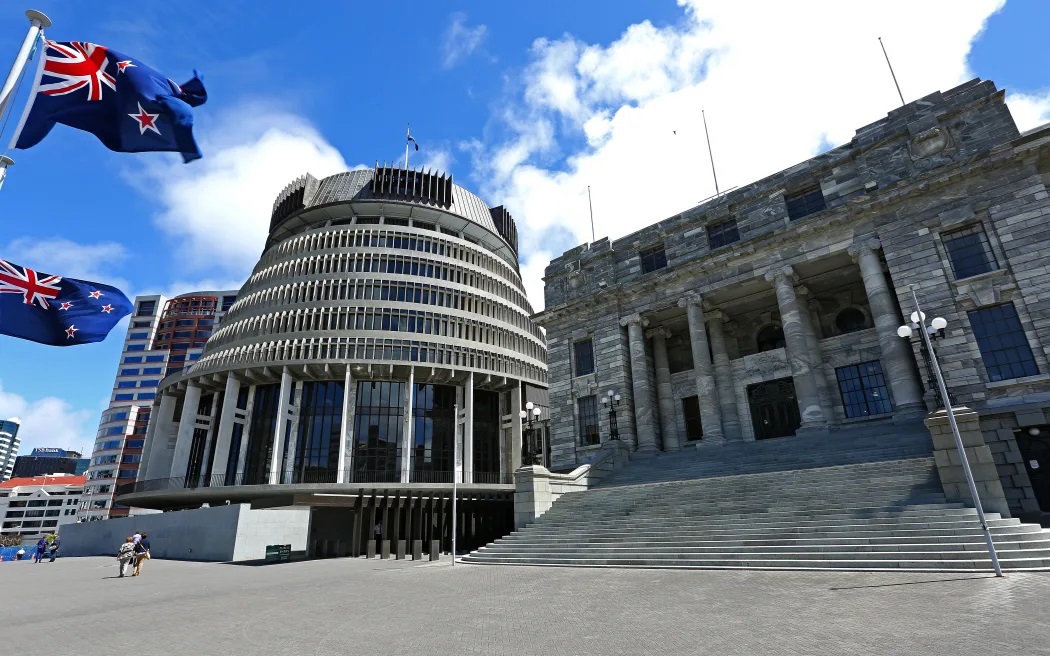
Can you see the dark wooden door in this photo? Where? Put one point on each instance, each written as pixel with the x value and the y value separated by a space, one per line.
pixel 774 409
pixel 1035 449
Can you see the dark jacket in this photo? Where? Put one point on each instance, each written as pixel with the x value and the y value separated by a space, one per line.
pixel 142 546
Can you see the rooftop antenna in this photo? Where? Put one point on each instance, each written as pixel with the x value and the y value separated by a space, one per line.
pixel 591 207
pixel 892 74
pixel 709 153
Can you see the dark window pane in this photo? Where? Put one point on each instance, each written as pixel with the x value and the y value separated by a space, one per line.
pixel 1004 346
pixel 653 258
pixel 694 429
pixel 584 352
pixel 770 338
pixel 863 389
pixel 587 409
pixel 722 234
pixel 969 252
pixel 804 203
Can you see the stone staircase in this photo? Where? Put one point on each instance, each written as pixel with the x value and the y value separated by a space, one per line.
pixel 861 499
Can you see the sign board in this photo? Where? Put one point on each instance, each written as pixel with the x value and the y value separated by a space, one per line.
pixel 278 553
pixel 48 451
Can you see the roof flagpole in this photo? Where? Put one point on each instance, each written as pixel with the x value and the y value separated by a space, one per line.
pixel 709 153
pixel 408 137
pixel 590 206
pixel 892 74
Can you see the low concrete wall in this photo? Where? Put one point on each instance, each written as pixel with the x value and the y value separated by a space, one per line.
pixel 220 533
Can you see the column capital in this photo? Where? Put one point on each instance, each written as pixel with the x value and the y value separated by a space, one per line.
pixel 716 315
pixel 802 290
pixel 861 246
pixel 659 331
pixel 691 299
pixel 776 274
pixel 634 318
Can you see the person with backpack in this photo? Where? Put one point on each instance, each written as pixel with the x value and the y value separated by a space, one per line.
pixel 53 548
pixel 141 553
pixel 126 554
pixel 41 547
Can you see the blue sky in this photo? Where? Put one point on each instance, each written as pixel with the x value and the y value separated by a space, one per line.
pixel 526 103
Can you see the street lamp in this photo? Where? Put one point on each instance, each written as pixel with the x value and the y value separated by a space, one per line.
pixel 934 331
pixel 611 400
pixel 533 452
pixel 918 324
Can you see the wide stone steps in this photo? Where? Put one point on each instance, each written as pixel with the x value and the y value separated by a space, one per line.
pixel 887 514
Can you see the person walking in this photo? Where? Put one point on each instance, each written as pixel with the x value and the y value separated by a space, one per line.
pixel 41 547
pixel 126 554
pixel 53 548
pixel 21 554
pixel 141 553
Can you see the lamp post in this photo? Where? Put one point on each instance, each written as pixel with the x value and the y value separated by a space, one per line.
pixel 918 324
pixel 533 452
pixel 611 400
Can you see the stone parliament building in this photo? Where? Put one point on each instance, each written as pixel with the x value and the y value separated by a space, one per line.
pixel 772 310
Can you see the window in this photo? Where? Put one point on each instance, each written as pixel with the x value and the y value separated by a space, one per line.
pixel 770 338
pixel 124 397
pixel 129 372
pixel 138 336
pixel 969 251
pixel 154 358
pixel 1004 346
pixel 135 444
pixel 587 410
pixel 722 234
pixel 850 320
pixel 863 389
pixel 694 429
pixel 131 359
pixel 583 352
pixel 123 384
pixel 140 324
pixel 653 258
pixel 146 308
pixel 147 396
pixel 135 347
pixel 152 370
pixel 148 383
pixel 806 202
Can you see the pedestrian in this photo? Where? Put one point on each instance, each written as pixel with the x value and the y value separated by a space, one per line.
pixel 41 547
pixel 20 554
pixel 141 553
pixel 54 548
pixel 136 537
pixel 126 554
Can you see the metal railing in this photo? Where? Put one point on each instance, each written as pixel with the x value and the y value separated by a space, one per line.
pixel 320 477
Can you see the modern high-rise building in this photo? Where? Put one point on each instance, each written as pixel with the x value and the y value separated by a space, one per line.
pixel 45 461
pixel 8 446
pixel 385 321
pixel 164 336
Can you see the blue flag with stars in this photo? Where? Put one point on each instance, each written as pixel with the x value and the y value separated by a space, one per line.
pixel 58 311
pixel 130 107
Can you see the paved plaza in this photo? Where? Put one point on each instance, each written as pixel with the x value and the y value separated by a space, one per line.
pixel 376 608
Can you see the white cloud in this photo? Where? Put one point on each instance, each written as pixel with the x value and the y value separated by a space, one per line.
pixel 1029 110
pixel 219 207
pixel 49 422
pixel 776 84
pixel 460 40
pixel 62 257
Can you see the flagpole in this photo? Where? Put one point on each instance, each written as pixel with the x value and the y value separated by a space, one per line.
pixel 37 23
pixel 892 74
pixel 590 206
pixel 5 162
pixel 710 154
pixel 408 135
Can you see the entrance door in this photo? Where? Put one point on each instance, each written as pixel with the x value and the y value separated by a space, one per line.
pixel 1035 449
pixel 774 410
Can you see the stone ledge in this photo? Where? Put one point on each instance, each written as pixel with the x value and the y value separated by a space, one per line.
pixel 1018 381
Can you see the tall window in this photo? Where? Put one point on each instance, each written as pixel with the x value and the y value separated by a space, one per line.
pixel 146 308
pixel 378 426
pixel 863 389
pixel 587 411
pixel 260 435
pixel 694 429
pixel 969 251
pixel 653 258
pixel 1004 346
pixel 486 437
pixel 320 421
pixel 583 352
pixel 722 234
pixel 806 202
pixel 433 407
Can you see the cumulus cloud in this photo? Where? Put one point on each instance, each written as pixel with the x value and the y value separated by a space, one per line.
pixel 219 207
pixel 778 86
pixel 49 422
pixel 1029 110
pixel 460 40
pixel 67 258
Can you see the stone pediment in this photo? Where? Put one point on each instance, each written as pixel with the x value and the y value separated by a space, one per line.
pixel 986 289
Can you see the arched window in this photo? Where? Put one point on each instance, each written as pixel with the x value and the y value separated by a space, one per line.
pixel 850 320
pixel 769 338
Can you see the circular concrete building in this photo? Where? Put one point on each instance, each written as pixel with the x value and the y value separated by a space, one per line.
pixel 384 301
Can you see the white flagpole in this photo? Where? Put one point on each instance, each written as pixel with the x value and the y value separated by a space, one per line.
pixel 5 162
pixel 455 475
pixel 710 153
pixel 408 134
pixel 37 23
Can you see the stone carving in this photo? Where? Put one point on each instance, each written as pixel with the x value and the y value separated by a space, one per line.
pixel 765 366
pixel 781 272
pixel 634 318
pixel 857 247
pixel 929 143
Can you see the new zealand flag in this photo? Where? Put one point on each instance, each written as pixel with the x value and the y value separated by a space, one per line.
pixel 57 311
pixel 129 106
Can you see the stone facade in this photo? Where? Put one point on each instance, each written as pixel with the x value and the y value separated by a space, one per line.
pixel 763 302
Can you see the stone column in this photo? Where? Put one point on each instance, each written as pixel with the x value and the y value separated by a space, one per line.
pixel 723 371
pixel 292 435
pixel 346 430
pixel 156 452
pixel 703 371
pixel 898 360
pixel 242 457
pixel 224 432
pixel 180 460
pixel 806 391
pixel 816 357
pixel 278 432
pixel 468 430
pixel 664 392
pixel 643 399
pixel 406 427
